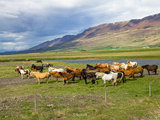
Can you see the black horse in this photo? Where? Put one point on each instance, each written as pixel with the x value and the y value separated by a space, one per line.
pixel 90 67
pixel 150 68
pixel 37 67
pixel 89 74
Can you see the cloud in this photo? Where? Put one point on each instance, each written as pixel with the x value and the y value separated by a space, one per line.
pixel 34 21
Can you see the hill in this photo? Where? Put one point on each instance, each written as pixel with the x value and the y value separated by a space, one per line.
pixel 136 33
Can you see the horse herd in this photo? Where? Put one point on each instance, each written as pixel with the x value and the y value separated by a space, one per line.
pixel 106 72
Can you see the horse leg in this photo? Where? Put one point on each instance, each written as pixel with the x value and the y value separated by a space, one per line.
pixel 38 81
pixel 148 72
pixel 155 71
pixel 22 76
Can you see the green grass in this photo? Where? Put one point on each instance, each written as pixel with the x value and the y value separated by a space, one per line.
pixel 149 53
pixel 128 101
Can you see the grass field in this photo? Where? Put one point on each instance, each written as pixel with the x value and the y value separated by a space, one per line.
pixel 75 101
pixel 145 53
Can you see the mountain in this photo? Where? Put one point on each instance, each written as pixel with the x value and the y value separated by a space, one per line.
pixel 136 33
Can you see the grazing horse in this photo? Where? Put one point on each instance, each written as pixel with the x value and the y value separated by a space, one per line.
pixel 151 68
pixel 102 65
pixel 40 76
pixel 90 67
pixel 17 68
pixel 77 71
pixel 89 74
pixel 24 72
pixel 132 64
pixel 66 76
pixel 37 67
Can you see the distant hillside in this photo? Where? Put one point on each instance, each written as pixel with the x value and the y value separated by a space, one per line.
pixel 136 33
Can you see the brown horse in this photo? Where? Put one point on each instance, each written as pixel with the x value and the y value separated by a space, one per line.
pixel 129 72
pixel 66 76
pixel 77 71
pixel 56 74
pixel 103 69
pixel 102 65
pixel 151 68
pixel 138 70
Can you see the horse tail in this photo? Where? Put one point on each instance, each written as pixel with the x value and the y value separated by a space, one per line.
pixel 122 77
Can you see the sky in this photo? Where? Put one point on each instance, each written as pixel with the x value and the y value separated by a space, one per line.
pixel 26 23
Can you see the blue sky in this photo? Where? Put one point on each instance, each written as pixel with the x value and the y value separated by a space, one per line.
pixel 26 23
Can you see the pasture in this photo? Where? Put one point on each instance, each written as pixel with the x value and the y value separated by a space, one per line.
pixel 141 53
pixel 24 99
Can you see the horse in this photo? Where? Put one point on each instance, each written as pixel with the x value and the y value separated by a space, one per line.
pixel 129 72
pixel 103 69
pixel 37 67
pixel 40 76
pixel 56 74
pixel 77 71
pixel 116 63
pixel 102 65
pixel 125 66
pixel 24 72
pixel 66 76
pixel 17 68
pixel 89 74
pixel 55 69
pixel 90 67
pixel 138 70
pixel 150 68
pixel 114 67
pixel 119 75
pixel 132 64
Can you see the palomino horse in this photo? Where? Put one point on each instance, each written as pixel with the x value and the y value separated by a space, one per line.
pixel 40 76
pixel 102 65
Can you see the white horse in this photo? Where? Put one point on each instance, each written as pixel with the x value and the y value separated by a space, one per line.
pixel 55 69
pixel 109 77
pixel 132 64
pixel 24 72
pixel 124 66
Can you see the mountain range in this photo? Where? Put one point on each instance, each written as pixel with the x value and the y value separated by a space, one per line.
pixel 135 33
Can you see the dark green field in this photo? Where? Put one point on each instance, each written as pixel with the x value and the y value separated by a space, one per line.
pixel 76 101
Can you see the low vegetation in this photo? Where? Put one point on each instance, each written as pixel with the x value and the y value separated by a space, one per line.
pixel 76 100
